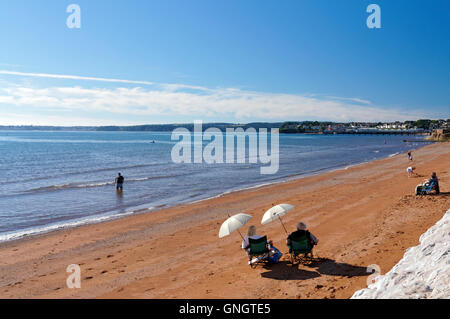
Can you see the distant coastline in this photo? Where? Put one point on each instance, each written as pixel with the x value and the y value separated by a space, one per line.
pixel 419 127
pixel 139 128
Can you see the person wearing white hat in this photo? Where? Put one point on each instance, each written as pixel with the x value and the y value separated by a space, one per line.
pixel 301 232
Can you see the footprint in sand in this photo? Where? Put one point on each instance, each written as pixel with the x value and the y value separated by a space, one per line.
pixel 104 272
pixel 87 278
pixel 109 256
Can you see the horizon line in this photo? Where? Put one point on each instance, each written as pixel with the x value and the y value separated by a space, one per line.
pixel 231 123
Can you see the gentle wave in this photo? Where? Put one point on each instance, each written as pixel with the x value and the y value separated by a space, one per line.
pixel 99 184
pixel 70 224
pixel 392 155
pixel 80 172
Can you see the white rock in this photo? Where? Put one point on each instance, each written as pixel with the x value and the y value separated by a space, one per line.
pixel 423 272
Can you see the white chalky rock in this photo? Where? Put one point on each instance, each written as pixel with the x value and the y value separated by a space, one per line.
pixel 423 272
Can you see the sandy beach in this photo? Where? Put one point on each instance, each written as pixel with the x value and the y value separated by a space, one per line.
pixel 366 214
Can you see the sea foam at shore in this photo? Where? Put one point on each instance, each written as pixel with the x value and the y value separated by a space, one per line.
pixel 423 272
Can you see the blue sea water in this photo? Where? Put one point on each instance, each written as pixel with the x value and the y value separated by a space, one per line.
pixel 60 179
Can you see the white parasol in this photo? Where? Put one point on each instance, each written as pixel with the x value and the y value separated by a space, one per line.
pixel 233 223
pixel 275 213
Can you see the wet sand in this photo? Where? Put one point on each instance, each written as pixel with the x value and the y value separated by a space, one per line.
pixel 363 215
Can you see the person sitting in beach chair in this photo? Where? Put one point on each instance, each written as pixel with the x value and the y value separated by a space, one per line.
pixel 301 242
pixel 256 246
pixel 435 181
pixel 428 186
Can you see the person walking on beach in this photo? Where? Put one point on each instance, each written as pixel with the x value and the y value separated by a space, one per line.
pixel 119 182
pixel 301 232
pixel 410 156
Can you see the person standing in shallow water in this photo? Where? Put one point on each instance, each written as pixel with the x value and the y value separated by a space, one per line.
pixel 119 182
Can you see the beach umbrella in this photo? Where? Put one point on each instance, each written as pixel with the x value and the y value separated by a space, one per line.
pixel 275 213
pixel 233 223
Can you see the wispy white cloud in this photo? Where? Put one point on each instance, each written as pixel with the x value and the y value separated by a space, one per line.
pixel 98 79
pixel 204 103
pixel 72 77
pixel 351 99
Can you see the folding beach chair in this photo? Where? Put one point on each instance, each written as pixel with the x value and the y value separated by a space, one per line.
pixel 259 251
pixel 301 250
pixel 425 189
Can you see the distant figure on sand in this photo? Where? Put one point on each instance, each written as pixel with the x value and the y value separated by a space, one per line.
pixel 410 156
pixel 251 233
pixel 411 170
pixel 301 232
pixel 119 182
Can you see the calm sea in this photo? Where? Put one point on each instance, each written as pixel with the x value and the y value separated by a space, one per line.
pixel 51 180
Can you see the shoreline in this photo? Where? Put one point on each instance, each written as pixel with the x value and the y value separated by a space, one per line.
pixel 175 252
pixel 134 211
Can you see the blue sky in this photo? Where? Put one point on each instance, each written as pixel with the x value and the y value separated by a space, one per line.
pixel 211 60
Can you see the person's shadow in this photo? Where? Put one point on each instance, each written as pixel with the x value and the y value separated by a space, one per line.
pixel 440 194
pixel 321 266
pixel 326 266
pixel 284 271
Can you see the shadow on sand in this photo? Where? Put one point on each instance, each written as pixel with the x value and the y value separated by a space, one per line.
pixel 330 267
pixel 442 194
pixel 323 266
pixel 285 271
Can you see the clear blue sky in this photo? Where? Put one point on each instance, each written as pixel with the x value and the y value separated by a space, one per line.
pixel 237 61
